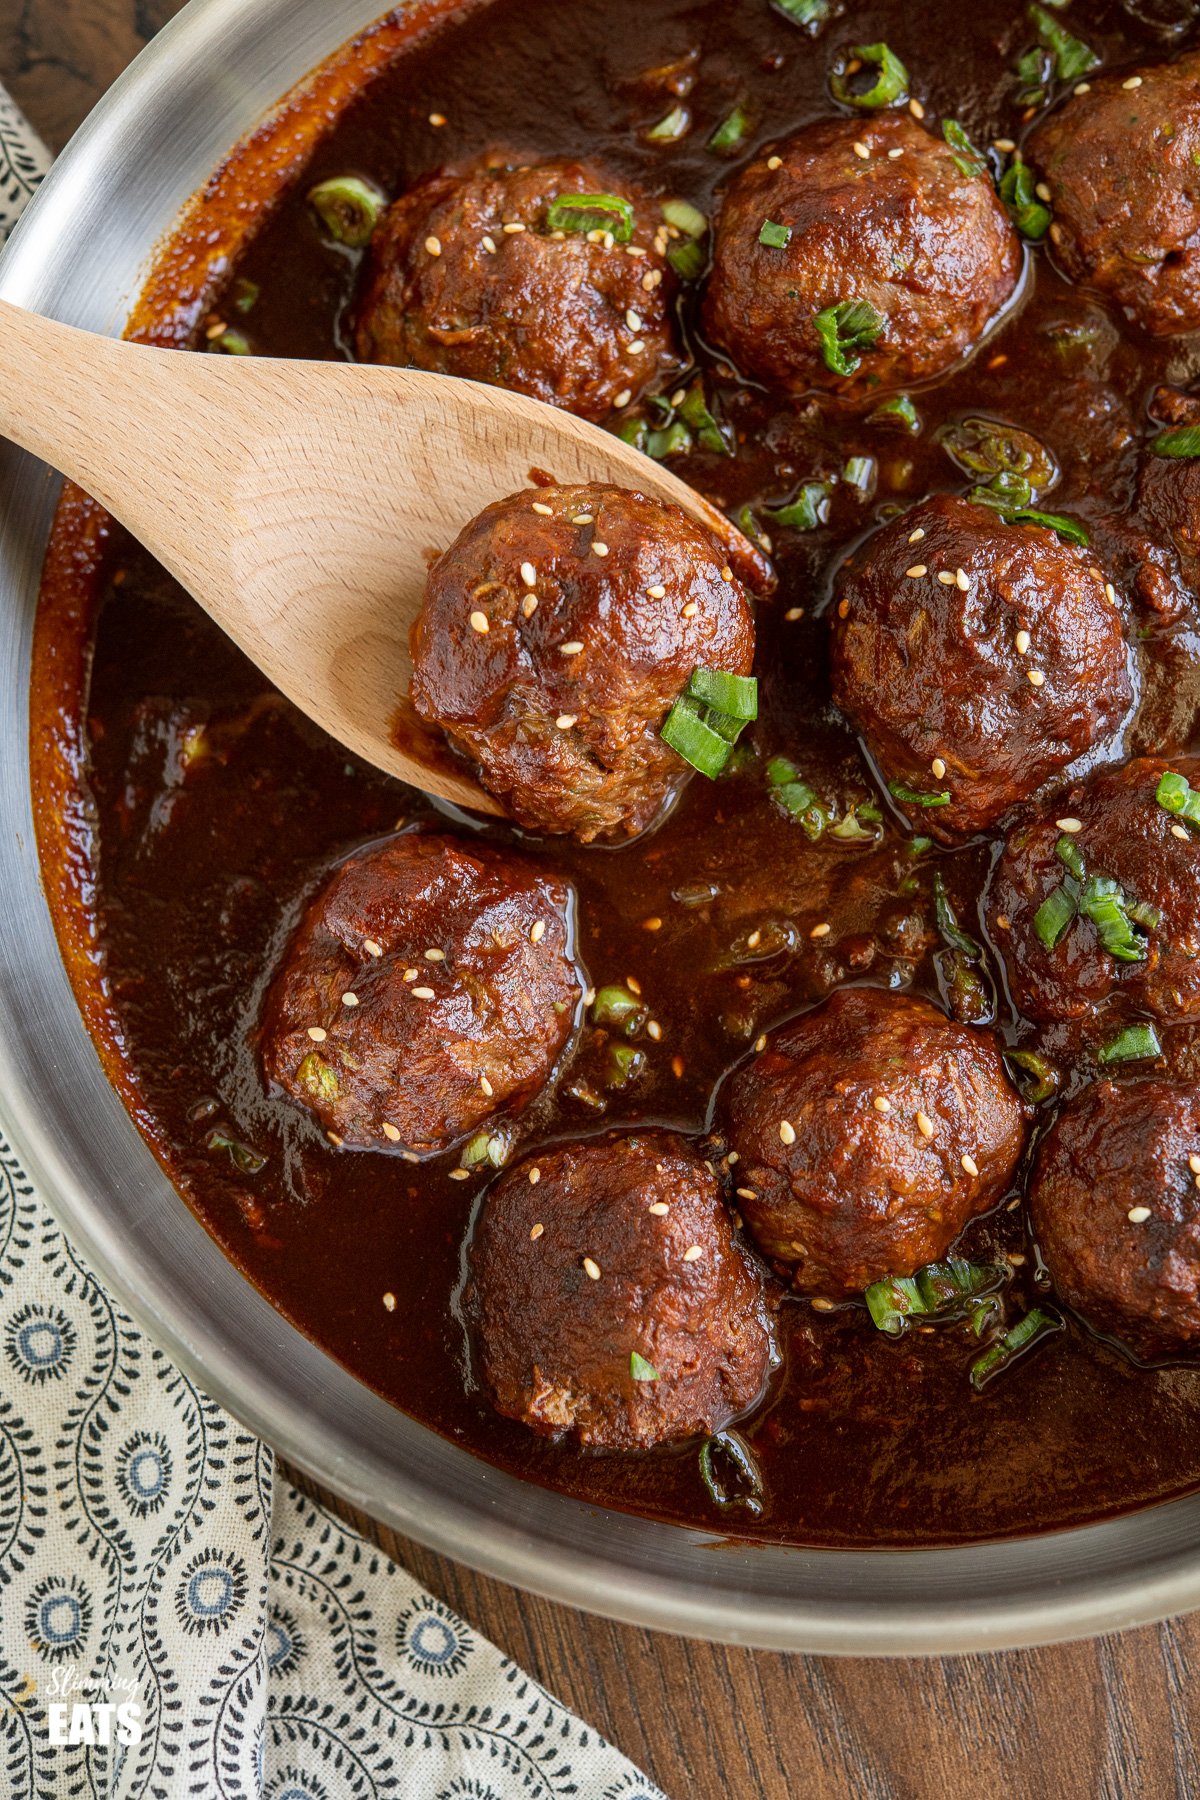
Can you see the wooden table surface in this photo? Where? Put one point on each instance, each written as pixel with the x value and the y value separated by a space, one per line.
pixel 1114 1719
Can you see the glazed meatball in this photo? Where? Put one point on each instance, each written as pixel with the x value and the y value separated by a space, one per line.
pixel 1118 831
pixel 931 249
pixel 429 985
pixel 868 1133
pixel 597 1259
pixel 1116 1213
pixel 977 659
pixel 1168 511
pixel 453 286
pixel 557 632
pixel 1123 167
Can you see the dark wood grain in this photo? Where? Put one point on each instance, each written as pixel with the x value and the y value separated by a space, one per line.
pixel 1115 1719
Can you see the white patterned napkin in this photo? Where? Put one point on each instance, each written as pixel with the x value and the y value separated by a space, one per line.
pixel 171 1624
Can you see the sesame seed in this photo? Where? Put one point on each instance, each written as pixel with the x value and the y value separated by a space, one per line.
pixel 409 1156
pixel 970 1165
pixel 1015 1258
pixel 774 162
pixel 677 1067
pixel 513 227
pixel 489 244
pixel 623 398
pixel 1023 641
pixel 547 512
pixel 535 1175
pixel 693 1253
pixel 894 155
pixel 479 623
pixel 659 1208
pixel 651 279
pixel 820 931
pixel 1034 677
pixel 916 109
pixel 793 613
pixel 599 548
pixel 1137 1215
pixel 373 947
pixel 916 572
pixel 459 1174
pixel 591 1269
pixel 486 1085
pixel 535 1232
pixel 529 606
pixel 390 1133
pixel 1179 831
pixel 537 931
pixel 317 1033
pixel 1043 191
pixel 422 993
pixel 1194 1163
pixel 1110 593
pixel 1135 81
pixel 819 1302
pixel 1056 233
pixel 634 985
pixel 349 998
pixel 654 1030
pixel 437 119
pixel 1082 87
pixel 760 1044
pixel 1004 145
pixel 434 246
pixel 1070 826
pixel 860 150
pixel 571 649
pixel 334 1139
pixel 653 923
pixel 946 578
pixel 691 609
pixel 410 974
pixel 726 573
pixel 434 955
pixel 881 1103
pixel 916 536
pixel 565 721
pixel 528 574
pixel 657 592
pixel 746 1193
pixel 633 320
pixel 787 1132
pixel 925 1125
pixel 963 580
pixel 843 609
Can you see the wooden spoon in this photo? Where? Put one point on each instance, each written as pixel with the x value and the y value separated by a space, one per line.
pixel 300 503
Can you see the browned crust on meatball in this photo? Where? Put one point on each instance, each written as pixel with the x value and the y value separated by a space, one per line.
pixel 1128 836
pixel 541 314
pixel 868 1133
pixel 1123 167
pixel 429 1047
pixel 560 708
pixel 1115 1150
pixel 929 247
pixel 930 670
pixel 1168 510
pixel 673 1286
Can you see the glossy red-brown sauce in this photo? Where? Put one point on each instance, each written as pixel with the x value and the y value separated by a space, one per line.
pixel 175 877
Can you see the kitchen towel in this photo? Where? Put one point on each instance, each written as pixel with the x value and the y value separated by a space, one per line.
pixel 174 1621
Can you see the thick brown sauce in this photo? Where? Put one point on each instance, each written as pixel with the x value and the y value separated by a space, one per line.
pixel 175 882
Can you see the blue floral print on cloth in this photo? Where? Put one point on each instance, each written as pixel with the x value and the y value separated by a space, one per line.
pixel 175 1622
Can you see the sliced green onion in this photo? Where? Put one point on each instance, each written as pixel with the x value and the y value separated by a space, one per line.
pixel 917 846
pixel 947 921
pixel 860 472
pixel 694 412
pixel 1103 902
pixel 1137 1043
pixel 1068 529
pixel 231 343
pixel 1069 854
pixel 730 1473
pixel 810 13
pixel 318 1078
pixel 674 125
pixel 890 85
pixel 787 788
pixel 850 830
pixel 731 131
pixel 1177 796
pixel 245 295
pixel 625 1064
pixel 1019 194
pixel 749 526
pixel 898 409
pixel 1037 1079
pixel 1072 57
pixel 1056 914
pixel 1036 1325
pixel 847 327
pixel 688 260
pixel 592 212
pixel 243 1158
pixel 617 1009
pixel 1142 913
pixel 1183 441
pixel 992 448
pixel 485 1147
pixel 914 797
pixel 773 236
pixel 674 440
pixel 892 1301
pixel 947 1284
pixel 685 217
pixel 1007 493
pixel 736 695
pixel 807 512
pixel 348 208
pixel 969 160
pixel 640 1369
pixel 693 738
pixel 1033 72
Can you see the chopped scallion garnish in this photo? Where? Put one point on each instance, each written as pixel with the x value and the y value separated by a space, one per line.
pixel 687 259
pixel 736 695
pixel 245 1159
pixel 1019 194
pixel 791 792
pixel 859 472
pixel 1032 1329
pixel 893 1301
pixel 807 511
pixel 1176 795
pixel 1072 57
pixel 1037 1079
pixel 946 1285
pixel 1183 441
pixel 704 733
pixel 616 1009
pixel 592 212
pixel 348 207
pixel 1067 529
pixel 731 131
pixel 969 160
pixel 1103 902
pixel 625 1064
pixel 991 448
pixel 889 86
pixel 640 1369
pixel 914 797
pixel 231 343
pixel 484 1147
pixel 844 329
pixel 773 236
pixel 899 410
pixel 1137 1043
pixel 685 217
pixel 693 410
pixel 812 14
pixel 671 126
pixel 1056 914
pixel 1070 856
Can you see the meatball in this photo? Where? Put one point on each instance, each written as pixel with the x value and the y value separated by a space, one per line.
pixel 1116 1212
pixel 1123 167
pixel 1168 510
pixel 557 632
pixel 931 249
pixel 610 1298
pixel 1125 835
pixel 977 659
pixel 429 985
pixel 465 277
pixel 868 1133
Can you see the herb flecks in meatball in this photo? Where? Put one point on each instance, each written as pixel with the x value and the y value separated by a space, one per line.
pixel 1116 1212
pixel 493 274
pixel 557 632
pixel 978 659
pixel 1122 163
pixel 429 986
pixel 609 1297
pixel 873 214
pixel 1148 864
pixel 869 1132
